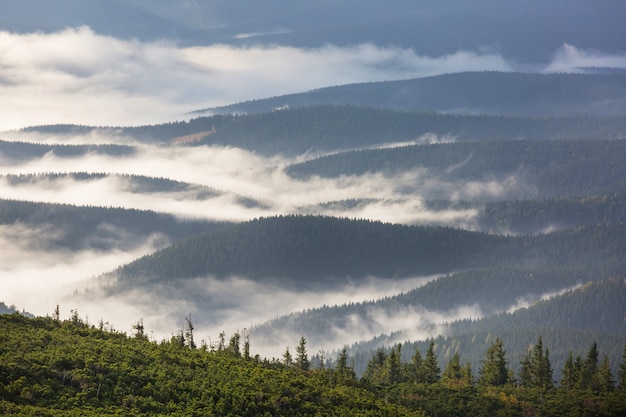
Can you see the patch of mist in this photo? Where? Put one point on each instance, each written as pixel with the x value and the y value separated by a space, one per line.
pixel 217 305
pixel 569 58
pixel 243 173
pixel 36 275
pixel 530 299
pixel 96 136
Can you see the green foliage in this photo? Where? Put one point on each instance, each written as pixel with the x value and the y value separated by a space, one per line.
pixel 494 371
pixel 66 367
pixel 50 367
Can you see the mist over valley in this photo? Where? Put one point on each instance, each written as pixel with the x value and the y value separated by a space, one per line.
pixel 373 182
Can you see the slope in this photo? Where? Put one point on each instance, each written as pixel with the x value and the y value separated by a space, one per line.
pixel 320 251
pixel 328 128
pixel 536 168
pixel 66 226
pixel 468 92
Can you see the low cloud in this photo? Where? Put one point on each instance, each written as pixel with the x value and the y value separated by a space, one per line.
pixel 530 299
pixel 572 59
pixel 79 76
pixel 239 173
pixel 36 276
pixel 229 305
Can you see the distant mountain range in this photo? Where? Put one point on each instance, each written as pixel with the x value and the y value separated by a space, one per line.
pixel 497 93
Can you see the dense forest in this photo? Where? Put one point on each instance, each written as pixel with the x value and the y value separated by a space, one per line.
pixel 301 250
pixel 469 92
pixel 335 128
pixel 137 184
pixel 540 168
pixel 23 151
pixel 534 215
pixel 50 367
pixel 531 216
pixel 99 228
pixel 567 321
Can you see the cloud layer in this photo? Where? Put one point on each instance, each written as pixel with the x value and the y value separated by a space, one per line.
pixel 78 76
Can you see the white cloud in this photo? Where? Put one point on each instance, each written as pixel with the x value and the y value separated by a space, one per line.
pixel 572 59
pixel 78 76
pixel 397 199
pixel 36 276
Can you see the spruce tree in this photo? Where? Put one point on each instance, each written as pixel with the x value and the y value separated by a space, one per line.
pixel 621 372
pixel 453 370
pixel 417 367
pixel 431 365
pixel 494 371
pixel 605 382
pixel 590 367
pixel 302 358
pixel 569 378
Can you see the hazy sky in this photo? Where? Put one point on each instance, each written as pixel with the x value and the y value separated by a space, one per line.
pixel 78 76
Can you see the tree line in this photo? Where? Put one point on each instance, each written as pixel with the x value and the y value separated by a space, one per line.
pixel 52 366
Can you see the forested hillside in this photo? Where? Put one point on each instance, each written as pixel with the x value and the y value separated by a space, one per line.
pixel 532 216
pixel 134 184
pixel 308 250
pixel 539 168
pixel 50 366
pixel 401 208
pixel 567 323
pixel 468 92
pixel 333 128
pixel 100 228
pixel 304 251
pixel 23 151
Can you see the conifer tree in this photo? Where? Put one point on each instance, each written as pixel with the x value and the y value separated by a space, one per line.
pixel 621 372
pixel 393 367
pixel 569 378
pixel 431 365
pixel 605 382
pixel 494 371
pixel 287 358
pixel 189 332
pixel 233 344
pixel 417 367
pixel 302 358
pixel 525 375
pixel 453 370
pixel 374 370
pixel 590 367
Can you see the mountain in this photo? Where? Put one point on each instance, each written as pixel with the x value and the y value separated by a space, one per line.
pixel 324 129
pixel 132 184
pixel 23 151
pixel 496 93
pixel 306 253
pixel 537 168
pixel 569 322
pixel 66 226
pixel 531 216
